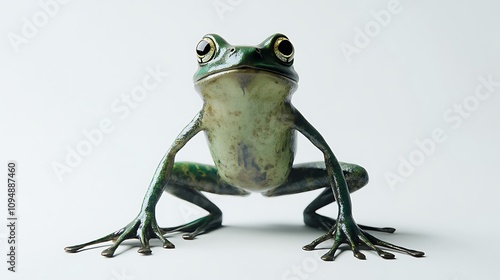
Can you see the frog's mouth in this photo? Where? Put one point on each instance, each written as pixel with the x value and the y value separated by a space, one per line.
pixel 248 69
pixel 246 81
pixel 269 70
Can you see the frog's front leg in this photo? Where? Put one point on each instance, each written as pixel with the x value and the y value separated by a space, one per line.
pixel 144 227
pixel 310 176
pixel 345 229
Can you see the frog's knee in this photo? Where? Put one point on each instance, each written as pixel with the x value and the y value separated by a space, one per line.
pixel 356 177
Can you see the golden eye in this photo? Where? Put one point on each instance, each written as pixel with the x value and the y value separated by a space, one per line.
pixel 283 49
pixel 205 50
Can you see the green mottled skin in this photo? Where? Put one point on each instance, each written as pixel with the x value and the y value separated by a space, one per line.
pixel 250 126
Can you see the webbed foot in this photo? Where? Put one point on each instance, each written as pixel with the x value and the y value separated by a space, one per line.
pixel 144 228
pixel 346 231
pixel 316 220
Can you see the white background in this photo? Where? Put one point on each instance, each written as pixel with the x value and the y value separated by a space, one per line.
pixel 394 91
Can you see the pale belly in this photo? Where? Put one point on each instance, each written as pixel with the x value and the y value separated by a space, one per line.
pixel 248 123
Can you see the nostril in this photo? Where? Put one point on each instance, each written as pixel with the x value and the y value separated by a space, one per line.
pixel 258 51
pixel 232 49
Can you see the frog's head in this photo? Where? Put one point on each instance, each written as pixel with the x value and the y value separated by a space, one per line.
pixel 275 55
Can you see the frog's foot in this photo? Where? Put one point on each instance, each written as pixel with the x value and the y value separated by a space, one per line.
pixel 316 220
pixel 144 228
pixel 198 226
pixel 348 232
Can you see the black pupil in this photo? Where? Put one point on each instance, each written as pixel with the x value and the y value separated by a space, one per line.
pixel 285 47
pixel 203 48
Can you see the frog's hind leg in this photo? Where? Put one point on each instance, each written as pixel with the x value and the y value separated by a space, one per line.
pixel 311 176
pixel 313 219
pixel 187 182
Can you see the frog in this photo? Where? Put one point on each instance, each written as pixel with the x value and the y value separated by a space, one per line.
pixel 251 128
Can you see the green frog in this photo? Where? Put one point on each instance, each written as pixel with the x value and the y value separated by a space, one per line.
pixel 251 126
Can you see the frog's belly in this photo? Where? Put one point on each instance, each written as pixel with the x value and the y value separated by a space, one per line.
pixel 249 162
pixel 248 121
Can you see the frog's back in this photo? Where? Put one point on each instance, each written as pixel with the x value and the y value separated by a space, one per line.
pixel 247 119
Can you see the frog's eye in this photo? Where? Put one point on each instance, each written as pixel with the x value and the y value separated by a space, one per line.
pixel 283 49
pixel 205 50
